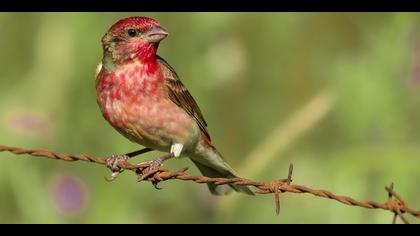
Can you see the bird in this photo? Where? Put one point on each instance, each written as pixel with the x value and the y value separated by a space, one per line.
pixel 143 98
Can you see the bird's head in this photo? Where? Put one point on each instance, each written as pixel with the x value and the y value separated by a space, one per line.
pixel 133 37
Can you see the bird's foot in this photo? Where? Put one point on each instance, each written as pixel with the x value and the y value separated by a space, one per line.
pixel 112 164
pixel 152 166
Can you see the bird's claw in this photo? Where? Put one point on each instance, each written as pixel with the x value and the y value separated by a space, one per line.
pixel 112 164
pixel 114 176
pixel 153 167
pixel 155 184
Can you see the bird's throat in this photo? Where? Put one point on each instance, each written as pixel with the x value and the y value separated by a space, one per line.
pixel 145 53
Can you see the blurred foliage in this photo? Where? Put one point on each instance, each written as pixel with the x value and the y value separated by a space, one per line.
pixel 254 76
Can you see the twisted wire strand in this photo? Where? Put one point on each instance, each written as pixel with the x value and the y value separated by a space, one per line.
pixel 395 203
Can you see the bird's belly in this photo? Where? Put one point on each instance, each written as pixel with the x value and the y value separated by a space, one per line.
pixel 154 122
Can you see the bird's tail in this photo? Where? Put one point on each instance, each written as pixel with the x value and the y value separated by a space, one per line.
pixel 211 164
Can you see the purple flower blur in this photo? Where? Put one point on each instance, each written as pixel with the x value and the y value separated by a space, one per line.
pixel 27 121
pixel 68 194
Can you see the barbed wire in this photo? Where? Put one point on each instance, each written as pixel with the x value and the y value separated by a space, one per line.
pixel 394 204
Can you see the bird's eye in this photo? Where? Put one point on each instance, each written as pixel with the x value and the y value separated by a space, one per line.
pixel 132 32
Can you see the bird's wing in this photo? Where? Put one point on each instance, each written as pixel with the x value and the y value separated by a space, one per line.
pixel 179 94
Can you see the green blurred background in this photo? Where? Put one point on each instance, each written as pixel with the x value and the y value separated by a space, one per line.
pixel 335 94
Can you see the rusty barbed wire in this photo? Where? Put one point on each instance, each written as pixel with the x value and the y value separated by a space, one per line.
pixel 394 204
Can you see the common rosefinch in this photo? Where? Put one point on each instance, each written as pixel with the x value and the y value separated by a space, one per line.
pixel 141 96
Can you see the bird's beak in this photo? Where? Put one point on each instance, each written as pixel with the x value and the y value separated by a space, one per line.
pixel 156 33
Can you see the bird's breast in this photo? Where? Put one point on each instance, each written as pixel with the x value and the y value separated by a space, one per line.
pixel 122 92
pixel 136 103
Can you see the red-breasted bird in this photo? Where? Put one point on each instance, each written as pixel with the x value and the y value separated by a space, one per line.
pixel 142 97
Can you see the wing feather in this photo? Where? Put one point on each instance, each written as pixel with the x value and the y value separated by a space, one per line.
pixel 180 95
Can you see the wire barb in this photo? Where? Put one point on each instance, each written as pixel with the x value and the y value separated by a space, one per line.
pixel 394 204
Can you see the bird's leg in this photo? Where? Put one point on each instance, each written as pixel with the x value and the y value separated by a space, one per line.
pixel 138 152
pixel 154 165
pixel 113 160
